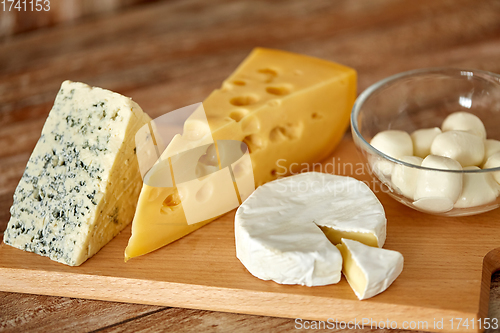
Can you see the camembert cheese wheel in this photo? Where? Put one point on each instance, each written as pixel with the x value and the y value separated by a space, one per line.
pixel 278 229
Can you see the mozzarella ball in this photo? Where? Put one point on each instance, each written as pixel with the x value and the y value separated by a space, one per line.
pixel 404 178
pixel 466 148
pixel 422 140
pixel 464 121
pixel 393 143
pixel 478 189
pixel 436 191
pixel 490 147
pixel 494 162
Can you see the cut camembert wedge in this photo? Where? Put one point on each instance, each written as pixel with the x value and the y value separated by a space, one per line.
pixel 369 270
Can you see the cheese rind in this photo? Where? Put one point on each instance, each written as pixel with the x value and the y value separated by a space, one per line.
pixel 81 183
pixel 277 239
pixel 288 108
pixel 369 270
pixel 276 228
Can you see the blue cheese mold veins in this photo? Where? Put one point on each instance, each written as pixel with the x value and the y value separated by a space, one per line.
pixel 81 183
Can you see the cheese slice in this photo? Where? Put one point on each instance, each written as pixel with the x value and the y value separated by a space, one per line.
pixel 81 183
pixel 276 228
pixel 288 109
pixel 369 270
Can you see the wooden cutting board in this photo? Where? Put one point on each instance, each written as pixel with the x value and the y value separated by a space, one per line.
pixel 448 266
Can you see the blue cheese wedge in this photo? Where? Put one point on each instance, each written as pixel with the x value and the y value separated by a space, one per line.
pixel 82 181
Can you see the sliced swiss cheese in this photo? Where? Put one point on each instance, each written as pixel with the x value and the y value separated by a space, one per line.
pixel 288 108
pixel 277 228
pixel 81 183
pixel 369 270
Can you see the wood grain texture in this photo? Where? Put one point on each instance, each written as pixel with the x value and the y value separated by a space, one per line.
pixel 170 54
pixel 37 313
pixel 53 12
pixel 201 271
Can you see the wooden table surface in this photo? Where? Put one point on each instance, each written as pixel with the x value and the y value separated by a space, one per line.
pixel 170 54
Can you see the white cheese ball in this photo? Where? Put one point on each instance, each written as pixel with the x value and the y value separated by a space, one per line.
pixel 437 191
pixel 466 148
pixel 478 189
pixel 464 121
pixel 393 143
pixel 422 140
pixel 491 147
pixel 494 162
pixel 404 178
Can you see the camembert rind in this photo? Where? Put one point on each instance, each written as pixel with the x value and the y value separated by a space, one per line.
pixel 81 183
pixel 273 245
pixel 277 228
pixel 369 270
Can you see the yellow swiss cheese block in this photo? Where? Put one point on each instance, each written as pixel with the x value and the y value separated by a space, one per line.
pixel 288 108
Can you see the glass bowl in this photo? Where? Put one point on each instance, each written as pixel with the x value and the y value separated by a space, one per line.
pixel 420 99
